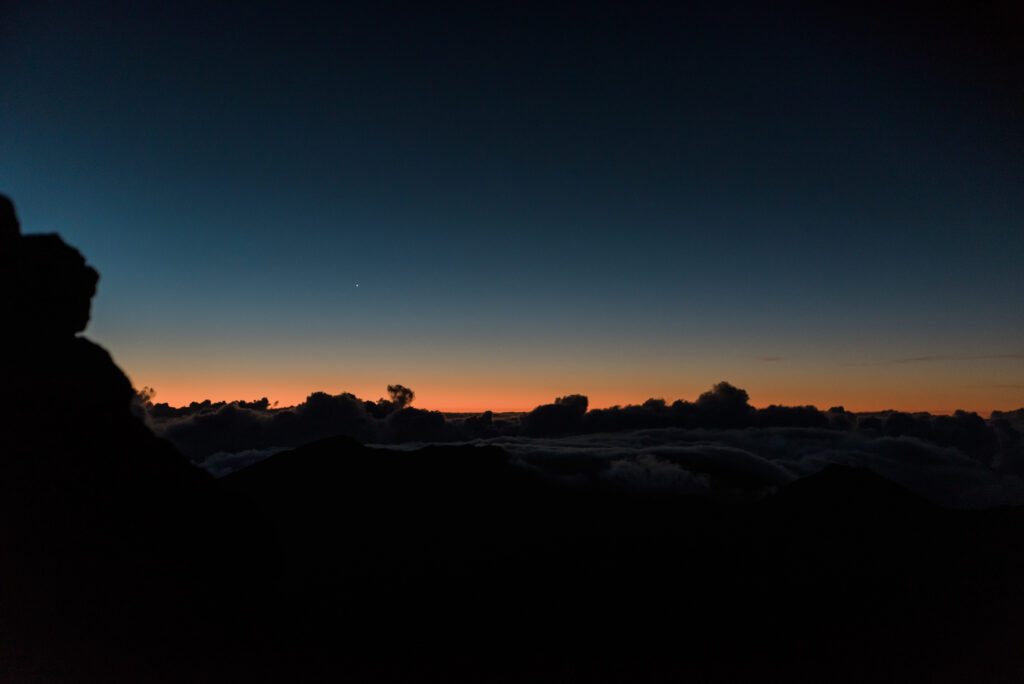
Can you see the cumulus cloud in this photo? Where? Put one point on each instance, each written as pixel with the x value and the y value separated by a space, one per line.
pixel 562 417
pixel 401 396
pixel 937 358
pixel 718 445
pixel 203 429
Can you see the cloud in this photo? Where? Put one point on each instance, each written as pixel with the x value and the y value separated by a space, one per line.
pixel 203 429
pixel 224 462
pixel 649 474
pixel 963 357
pixel 723 461
pixel 562 417
pixel 718 445
pixel 941 358
pixel 756 461
pixel 401 396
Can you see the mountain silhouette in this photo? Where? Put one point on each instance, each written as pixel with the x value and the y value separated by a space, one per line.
pixel 114 547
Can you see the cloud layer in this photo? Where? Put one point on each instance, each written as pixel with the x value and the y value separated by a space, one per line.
pixel 717 446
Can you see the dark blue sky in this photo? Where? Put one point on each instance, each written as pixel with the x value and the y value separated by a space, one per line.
pixel 533 199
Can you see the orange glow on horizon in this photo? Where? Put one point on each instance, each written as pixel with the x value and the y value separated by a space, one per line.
pixel 470 378
pixel 521 400
pixel 503 385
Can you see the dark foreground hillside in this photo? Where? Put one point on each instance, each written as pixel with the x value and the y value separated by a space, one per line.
pixel 453 563
pixel 450 564
pixel 115 552
pixel 121 562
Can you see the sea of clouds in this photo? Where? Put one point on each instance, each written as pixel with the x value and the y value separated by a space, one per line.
pixel 718 446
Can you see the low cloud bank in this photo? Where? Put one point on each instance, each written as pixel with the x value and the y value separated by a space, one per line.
pixel 718 445
pixel 747 464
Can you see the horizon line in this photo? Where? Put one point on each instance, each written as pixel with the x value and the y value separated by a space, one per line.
pixel 274 406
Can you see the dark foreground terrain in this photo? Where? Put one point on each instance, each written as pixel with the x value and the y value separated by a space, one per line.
pixel 337 562
pixel 452 562
pixel 122 562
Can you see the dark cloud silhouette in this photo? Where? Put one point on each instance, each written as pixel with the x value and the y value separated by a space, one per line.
pixel 1014 417
pixel 791 416
pixel 724 406
pixel 205 428
pixel 562 417
pixel 410 424
pixel 709 435
pixel 958 460
pixel 401 396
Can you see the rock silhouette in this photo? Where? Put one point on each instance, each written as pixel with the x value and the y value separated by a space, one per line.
pixel 108 538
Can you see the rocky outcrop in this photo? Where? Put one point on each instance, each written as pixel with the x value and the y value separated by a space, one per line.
pixel 111 544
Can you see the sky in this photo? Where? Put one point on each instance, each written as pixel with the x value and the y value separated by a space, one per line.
pixel 503 203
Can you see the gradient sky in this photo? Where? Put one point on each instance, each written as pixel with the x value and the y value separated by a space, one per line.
pixel 819 207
